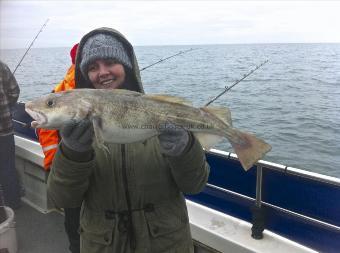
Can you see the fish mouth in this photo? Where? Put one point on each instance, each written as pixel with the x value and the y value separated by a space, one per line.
pixel 39 118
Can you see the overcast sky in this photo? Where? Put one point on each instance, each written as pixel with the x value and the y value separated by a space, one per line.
pixel 170 22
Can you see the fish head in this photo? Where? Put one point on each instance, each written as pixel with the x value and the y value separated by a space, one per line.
pixel 53 110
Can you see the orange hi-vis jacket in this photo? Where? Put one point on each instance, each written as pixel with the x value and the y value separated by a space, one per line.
pixel 49 139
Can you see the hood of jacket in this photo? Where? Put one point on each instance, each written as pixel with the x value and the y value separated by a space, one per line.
pixel 83 82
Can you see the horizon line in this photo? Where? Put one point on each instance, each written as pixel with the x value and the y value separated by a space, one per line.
pixel 208 44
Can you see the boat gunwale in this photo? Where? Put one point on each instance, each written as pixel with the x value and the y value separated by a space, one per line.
pixel 281 168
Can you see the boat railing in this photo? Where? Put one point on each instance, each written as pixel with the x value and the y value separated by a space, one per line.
pixel 294 203
pixel 282 168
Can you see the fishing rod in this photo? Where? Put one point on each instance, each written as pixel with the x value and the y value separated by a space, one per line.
pixel 23 124
pixel 227 88
pixel 30 46
pixel 164 59
pixel 26 125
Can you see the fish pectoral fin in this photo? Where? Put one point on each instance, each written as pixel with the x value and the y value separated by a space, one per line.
pixel 249 148
pixel 170 99
pixel 222 113
pixel 207 140
pixel 98 133
pixel 85 109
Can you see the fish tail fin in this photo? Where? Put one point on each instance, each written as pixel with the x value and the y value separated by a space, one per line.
pixel 249 148
pixel 222 113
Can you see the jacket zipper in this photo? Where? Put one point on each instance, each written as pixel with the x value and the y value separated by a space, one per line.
pixel 131 232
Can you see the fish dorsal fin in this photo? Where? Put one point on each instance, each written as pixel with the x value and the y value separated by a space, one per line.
pixel 206 140
pixel 170 99
pixel 127 92
pixel 222 113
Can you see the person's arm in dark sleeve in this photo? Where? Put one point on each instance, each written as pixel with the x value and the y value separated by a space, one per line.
pixel 186 159
pixel 190 170
pixel 68 180
pixel 72 166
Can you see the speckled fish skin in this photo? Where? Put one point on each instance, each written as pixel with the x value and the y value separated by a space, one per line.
pixel 121 116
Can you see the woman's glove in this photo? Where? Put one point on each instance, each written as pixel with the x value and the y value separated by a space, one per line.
pixel 173 140
pixel 77 135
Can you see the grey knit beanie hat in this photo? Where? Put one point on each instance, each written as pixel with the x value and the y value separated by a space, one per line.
pixel 103 46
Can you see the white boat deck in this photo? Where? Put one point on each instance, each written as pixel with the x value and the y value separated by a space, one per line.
pixel 229 234
pixel 39 232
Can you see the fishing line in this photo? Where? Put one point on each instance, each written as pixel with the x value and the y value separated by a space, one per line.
pixel 164 59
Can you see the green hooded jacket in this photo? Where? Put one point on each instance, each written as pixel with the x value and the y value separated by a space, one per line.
pixel 132 200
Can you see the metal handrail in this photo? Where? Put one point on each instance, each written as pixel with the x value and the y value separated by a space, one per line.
pixel 283 169
pixel 322 223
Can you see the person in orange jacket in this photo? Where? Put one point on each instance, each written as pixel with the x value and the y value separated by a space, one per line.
pixel 49 140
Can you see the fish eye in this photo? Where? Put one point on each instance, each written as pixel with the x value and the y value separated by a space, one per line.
pixel 50 103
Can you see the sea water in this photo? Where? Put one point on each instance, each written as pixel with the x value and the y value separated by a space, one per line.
pixel 292 102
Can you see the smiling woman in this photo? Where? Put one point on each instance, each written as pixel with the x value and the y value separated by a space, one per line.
pixel 103 61
pixel 101 178
pixel 106 74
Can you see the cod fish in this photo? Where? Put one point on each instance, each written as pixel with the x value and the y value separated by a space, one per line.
pixel 121 116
